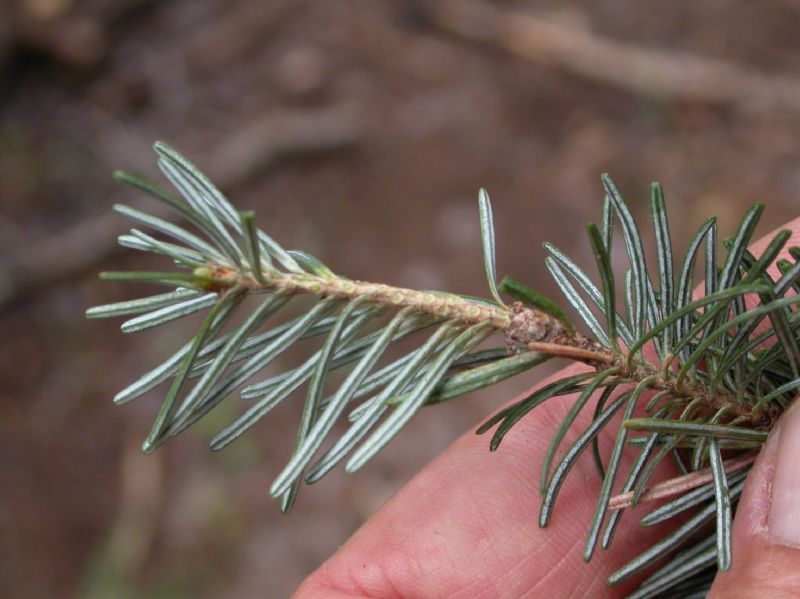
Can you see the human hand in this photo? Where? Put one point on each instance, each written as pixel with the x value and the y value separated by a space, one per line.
pixel 467 525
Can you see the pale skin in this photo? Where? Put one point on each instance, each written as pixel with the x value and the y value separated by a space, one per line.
pixel 467 527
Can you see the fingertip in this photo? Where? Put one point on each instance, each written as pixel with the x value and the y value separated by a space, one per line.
pixel 766 531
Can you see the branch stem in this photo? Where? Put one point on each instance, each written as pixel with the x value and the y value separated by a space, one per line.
pixel 525 328
pixel 446 306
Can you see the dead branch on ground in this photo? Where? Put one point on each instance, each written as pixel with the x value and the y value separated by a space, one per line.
pixel 628 66
pixel 52 259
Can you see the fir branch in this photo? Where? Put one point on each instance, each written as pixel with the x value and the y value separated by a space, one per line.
pixel 700 369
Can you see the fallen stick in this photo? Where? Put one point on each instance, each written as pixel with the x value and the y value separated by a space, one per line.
pixel 64 256
pixel 629 66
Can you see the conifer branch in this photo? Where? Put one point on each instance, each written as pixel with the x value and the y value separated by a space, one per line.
pixel 711 374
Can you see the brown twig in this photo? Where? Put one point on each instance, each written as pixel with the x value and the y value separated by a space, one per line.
pixel 677 486
pixel 625 65
pixel 59 257
pixel 286 134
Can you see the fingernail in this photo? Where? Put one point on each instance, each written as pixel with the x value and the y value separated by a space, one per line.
pixel 784 512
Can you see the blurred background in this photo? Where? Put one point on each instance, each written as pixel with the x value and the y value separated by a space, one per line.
pixel 361 132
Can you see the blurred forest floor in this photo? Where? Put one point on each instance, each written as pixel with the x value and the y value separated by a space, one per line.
pixel 359 131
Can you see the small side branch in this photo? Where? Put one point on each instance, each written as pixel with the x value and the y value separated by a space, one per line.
pixel 524 327
pixel 441 305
